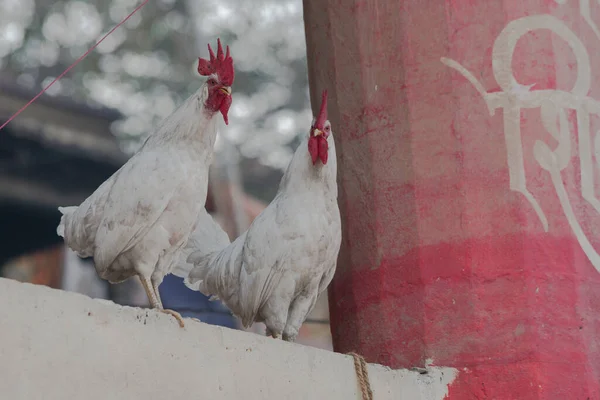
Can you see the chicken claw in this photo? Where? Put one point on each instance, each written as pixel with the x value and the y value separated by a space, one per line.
pixel 177 316
pixel 272 334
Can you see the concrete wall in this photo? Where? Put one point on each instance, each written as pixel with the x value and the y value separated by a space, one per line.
pixel 59 345
pixel 469 188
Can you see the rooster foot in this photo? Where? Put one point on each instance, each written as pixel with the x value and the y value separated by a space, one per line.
pixel 289 338
pixel 273 335
pixel 177 316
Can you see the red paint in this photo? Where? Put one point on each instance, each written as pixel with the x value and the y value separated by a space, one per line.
pixel 479 305
pixel 440 259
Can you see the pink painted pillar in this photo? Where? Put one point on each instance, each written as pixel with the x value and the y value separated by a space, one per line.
pixel 470 198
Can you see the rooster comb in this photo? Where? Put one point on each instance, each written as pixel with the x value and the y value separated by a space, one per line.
pixel 322 117
pixel 221 64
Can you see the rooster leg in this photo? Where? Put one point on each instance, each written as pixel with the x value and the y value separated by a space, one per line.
pixel 155 301
pixel 274 335
pixel 299 310
pixel 175 314
pixel 150 292
pixel 157 293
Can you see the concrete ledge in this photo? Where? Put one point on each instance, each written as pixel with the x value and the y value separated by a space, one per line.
pixel 59 345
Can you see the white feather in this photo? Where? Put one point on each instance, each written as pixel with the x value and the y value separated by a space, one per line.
pixel 275 271
pixel 206 238
pixel 138 219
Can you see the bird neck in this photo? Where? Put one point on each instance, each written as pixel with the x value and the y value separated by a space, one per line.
pixel 302 175
pixel 190 125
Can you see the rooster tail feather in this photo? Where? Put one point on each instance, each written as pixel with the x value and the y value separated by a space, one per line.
pixel 202 268
pixel 207 238
pixel 75 227
pixel 217 273
pixel 66 212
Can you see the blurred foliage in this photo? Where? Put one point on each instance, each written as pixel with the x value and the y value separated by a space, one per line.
pixel 148 66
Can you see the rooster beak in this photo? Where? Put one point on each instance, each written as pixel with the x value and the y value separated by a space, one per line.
pixel 226 90
pixel 317 132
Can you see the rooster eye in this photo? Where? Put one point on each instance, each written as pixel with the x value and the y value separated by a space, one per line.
pixel 327 128
pixel 212 82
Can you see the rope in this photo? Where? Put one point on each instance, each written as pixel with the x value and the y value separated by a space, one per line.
pixel 74 64
pixel 362 375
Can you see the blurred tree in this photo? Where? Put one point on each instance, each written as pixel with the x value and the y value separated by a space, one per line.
pixel 147 67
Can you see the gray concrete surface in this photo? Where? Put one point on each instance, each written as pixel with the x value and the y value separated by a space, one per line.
pixel 59 345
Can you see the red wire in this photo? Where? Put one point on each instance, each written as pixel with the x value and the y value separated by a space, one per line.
pixel 74 64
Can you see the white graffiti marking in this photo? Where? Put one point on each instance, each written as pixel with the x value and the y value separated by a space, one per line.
pixel 586 14
pixel 553 105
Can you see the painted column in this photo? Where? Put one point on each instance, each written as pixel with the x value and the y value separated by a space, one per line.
pixel 469 171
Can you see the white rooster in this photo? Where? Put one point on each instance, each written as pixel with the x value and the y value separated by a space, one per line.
pixel 274 272
pixel 138 219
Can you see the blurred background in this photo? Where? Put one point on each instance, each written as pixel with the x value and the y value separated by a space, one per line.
pixel 85 127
